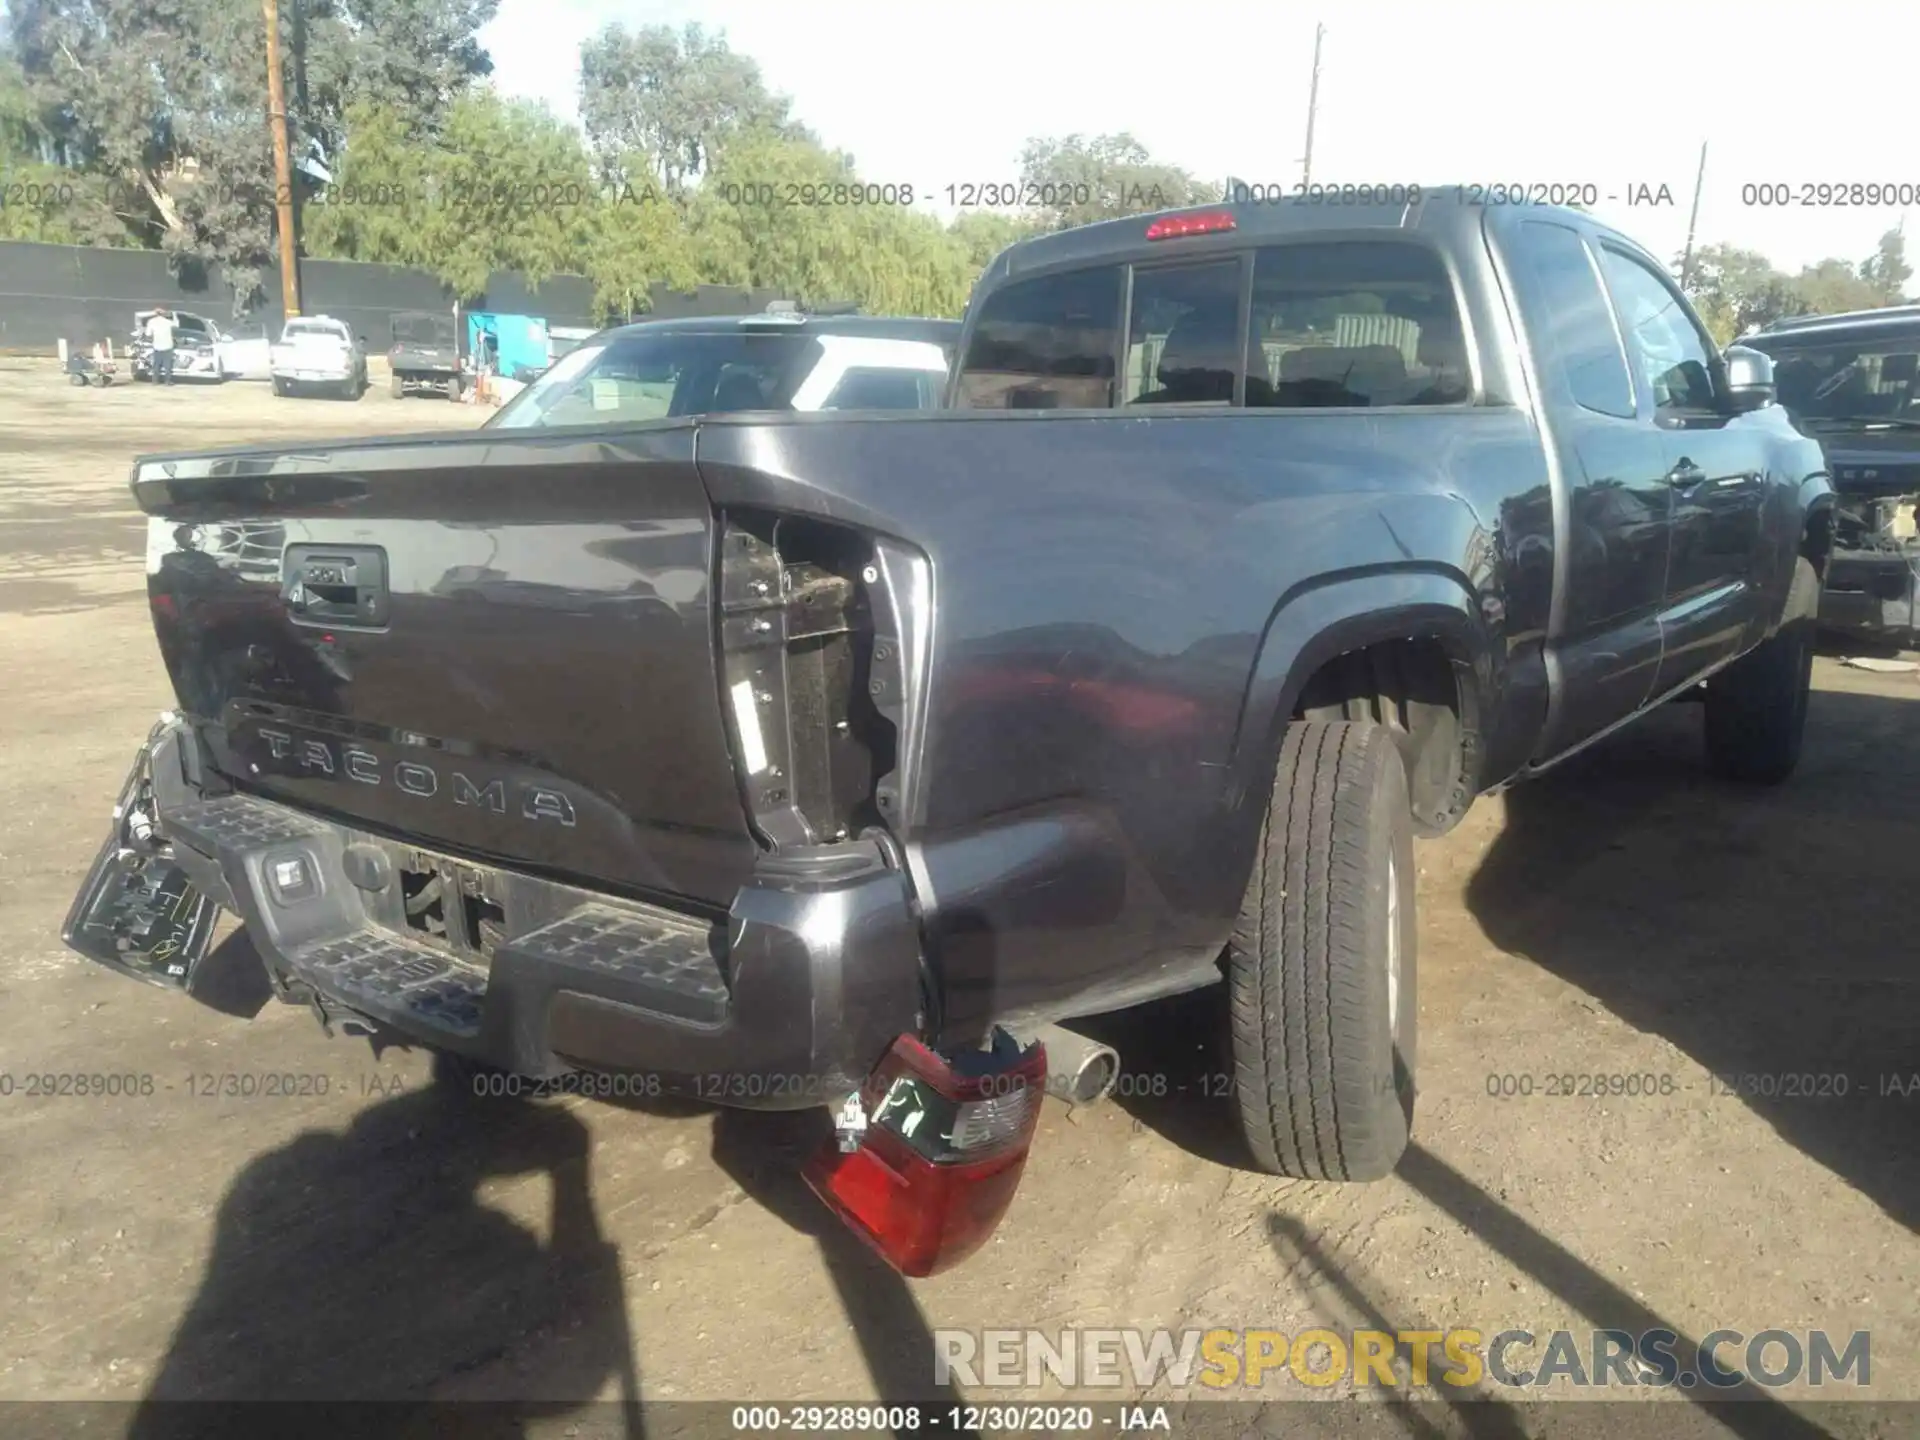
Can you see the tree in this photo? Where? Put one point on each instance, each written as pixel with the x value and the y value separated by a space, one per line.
pixel 41 201
pixel 1081 179
pixel 886 257
pixel 1738 290
pixel 1887 272
pixel 673 98
pixel 983 234
pixel 1833 286
pixel 162 103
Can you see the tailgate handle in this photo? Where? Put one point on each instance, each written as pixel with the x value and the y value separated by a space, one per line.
pixel 341 585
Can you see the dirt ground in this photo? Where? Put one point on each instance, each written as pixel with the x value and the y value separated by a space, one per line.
pixel 1628 916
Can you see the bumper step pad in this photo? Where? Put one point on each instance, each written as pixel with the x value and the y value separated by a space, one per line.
pixel 654 960
pixel 391 978
pixel 660 963
pixel 239 822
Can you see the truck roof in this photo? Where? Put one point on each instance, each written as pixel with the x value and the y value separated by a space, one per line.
pixel 1859 322
pixel 1441 209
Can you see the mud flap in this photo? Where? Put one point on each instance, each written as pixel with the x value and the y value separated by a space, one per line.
pixel 138 913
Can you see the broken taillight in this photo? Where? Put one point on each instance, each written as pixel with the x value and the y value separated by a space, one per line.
pixel 942 1151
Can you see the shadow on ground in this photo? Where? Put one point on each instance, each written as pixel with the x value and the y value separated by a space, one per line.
pixel 363 1267
pixel 1770 934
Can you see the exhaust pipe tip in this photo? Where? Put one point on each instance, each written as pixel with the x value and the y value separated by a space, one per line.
pixel 1094 1080
pixel 1079 1071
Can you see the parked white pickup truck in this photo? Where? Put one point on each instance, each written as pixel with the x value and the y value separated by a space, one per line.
pixel 319 352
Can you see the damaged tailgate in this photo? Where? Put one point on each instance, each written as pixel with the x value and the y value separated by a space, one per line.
pixel 502 644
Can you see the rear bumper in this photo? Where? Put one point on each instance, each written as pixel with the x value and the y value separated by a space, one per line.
pixel 312 374
pixel 787 1001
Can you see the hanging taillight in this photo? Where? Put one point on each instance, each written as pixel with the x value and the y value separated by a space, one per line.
pixel 938 1152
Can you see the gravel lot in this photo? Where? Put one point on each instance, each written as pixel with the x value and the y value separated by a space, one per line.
pixel 390 1239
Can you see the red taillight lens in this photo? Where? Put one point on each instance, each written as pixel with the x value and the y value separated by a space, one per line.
pixel 942 1154
pixel 1207 222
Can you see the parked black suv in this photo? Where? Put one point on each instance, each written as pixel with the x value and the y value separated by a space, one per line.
pixel 1853 383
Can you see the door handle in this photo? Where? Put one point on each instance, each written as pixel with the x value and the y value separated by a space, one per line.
pixel 1686 473
pixel 345 585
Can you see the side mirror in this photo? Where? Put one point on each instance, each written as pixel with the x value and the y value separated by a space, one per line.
pixel 1749 379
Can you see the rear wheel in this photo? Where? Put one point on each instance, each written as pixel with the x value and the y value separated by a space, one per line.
pixel 1321 966
pixel 280 386
pixel 1757 706
pixel 453 387
pixel 396 387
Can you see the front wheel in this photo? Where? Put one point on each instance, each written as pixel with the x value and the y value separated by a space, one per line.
pixel 1757 706
pixel 1321 965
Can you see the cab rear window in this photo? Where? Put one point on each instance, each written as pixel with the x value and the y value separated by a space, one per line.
pixel 1339 325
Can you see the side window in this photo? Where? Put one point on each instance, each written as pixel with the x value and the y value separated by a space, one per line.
pixel 1045 344
pixel 873 388
pixel 1568 319
pixel 1350 325
pixel 1670 348
pixel 1183 338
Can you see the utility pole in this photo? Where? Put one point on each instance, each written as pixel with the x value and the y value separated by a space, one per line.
pixel 1699 183
pixel 282 171
pixel 1313 105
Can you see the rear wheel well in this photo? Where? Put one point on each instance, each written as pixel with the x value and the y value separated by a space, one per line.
pixel 1413 688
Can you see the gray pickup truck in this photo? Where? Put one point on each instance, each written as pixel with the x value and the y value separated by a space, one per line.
pixel 761 755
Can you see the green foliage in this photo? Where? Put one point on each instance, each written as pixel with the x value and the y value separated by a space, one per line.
pixel 1737 291
pixel 1886 272
pixel 161 104
pixel 674 99
pixel 983 234
pixel 1081 179
pixel 144 122
pixel 38 199
pixel 780 211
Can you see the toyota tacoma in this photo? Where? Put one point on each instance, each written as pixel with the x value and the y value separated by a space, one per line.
pixel 791 759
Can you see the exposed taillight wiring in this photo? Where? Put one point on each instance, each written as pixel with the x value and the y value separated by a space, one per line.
pixel 798 678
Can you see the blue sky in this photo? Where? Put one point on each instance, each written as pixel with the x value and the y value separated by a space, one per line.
pixel 1618 96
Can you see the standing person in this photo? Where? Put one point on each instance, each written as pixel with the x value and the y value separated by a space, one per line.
pixel 160 335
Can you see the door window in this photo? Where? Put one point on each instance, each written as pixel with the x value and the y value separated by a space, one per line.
pixel 1673 354
pixel 1045 344
pixel 1569 321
